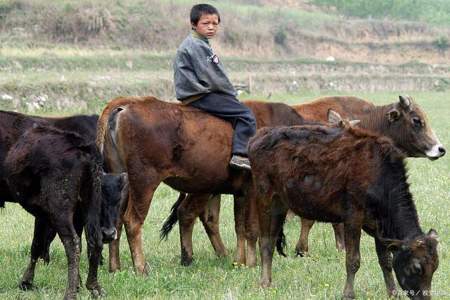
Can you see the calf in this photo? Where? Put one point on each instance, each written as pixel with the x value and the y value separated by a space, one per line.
pixel 13 125
pixel 55 176
pixel 348 175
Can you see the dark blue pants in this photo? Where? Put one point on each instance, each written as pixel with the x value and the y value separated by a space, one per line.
pixel 230 109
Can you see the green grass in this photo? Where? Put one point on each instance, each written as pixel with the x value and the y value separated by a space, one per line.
pixel 431 11
pixel 319 276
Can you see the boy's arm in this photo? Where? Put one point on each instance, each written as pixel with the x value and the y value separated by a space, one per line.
pixel 187 83
pixel 210 71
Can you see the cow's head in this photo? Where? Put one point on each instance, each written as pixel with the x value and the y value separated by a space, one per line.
pixel 414 264
pixel 114 194
pixel 410 130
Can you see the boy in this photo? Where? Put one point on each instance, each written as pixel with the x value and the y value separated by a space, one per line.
pixel 201 82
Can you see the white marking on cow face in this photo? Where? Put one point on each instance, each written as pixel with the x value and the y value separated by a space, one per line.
pixel 437 150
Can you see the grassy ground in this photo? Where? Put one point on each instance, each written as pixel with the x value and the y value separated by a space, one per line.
pixel 319 276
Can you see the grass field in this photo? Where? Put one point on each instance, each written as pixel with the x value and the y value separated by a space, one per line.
pixel 319 276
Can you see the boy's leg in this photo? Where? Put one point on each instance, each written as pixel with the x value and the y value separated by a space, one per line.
pixel 230 109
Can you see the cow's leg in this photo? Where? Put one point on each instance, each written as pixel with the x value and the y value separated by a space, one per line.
pixel 190 208
pixel 271 219
pixel 385 262
pixel 251 227
pixel 71 242
pixel 339 236
pixel 352 233
pixel 114 246
pixel 38 248
pixel 49 237
pixel 95 246
pixel 239 227
pixel 210 221
pixel 142 185
pixel 302 245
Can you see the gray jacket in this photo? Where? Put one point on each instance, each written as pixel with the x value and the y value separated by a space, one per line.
pixel 197 70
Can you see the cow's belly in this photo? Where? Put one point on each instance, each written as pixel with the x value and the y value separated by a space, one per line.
pixel 316 206
pixel 228 182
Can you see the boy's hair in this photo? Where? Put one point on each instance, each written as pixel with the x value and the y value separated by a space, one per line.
pixel 198 10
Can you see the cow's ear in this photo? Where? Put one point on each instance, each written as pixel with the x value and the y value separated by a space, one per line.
pixel 433 235
pixel 394 245
pixel 405 102
pixel 393 115
pixel 334 118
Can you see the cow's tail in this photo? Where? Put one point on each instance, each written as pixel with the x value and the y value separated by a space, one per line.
pixel 107 129
pixel 172 219
pixel 281 240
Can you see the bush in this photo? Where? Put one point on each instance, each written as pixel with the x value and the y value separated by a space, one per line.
pixel 280 37
pixel 442 43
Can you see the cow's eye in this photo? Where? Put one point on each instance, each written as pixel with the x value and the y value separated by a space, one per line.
pixel 417 122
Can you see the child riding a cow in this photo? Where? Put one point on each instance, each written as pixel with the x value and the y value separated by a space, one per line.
pixel 201 82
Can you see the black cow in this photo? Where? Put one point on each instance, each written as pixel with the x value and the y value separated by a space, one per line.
pixel 13 125
pixel 56 176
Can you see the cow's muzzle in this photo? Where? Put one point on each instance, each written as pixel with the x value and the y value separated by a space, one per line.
pixel 437 151
pixel 109 234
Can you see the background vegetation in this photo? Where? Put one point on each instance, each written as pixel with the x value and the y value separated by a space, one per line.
pixel 434 11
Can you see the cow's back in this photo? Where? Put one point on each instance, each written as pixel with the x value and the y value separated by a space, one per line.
pixel 348 107
pixel 269 114
pixel 316 165
pixel 179 142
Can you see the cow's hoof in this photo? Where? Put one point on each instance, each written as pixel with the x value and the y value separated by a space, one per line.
pixel 26 285
pixel 98 292
pixel 237 264
pixel 186 262
pixel 299 253
pixel 349 296
pixel 264 283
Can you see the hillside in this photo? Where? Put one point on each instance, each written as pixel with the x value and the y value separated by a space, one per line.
pixel 76 55
pixel 253 28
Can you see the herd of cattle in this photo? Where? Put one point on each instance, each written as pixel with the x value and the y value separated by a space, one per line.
pixel 314 159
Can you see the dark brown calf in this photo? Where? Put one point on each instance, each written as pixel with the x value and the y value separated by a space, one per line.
pixel 54 175
pixel 347 175
pixel 13 125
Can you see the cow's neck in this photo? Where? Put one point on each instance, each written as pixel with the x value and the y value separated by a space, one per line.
pixel 396 209
pixel 375 119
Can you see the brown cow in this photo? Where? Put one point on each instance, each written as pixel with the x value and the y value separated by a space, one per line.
pixel 404 122
pixel 156 141
pixel 348 175
pixel 188 207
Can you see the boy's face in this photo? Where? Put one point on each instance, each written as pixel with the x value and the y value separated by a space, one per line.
pixel 207 25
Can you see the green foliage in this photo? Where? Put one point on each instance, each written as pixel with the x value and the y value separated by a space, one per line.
pixel 433 11
pixel 442 43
